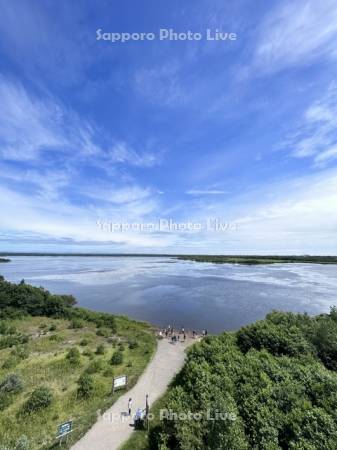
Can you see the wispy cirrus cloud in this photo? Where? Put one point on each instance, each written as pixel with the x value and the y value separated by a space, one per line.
pixel 315 136
pixel 121 152
pixel 31 125
pixel 294 33
pixel 206 192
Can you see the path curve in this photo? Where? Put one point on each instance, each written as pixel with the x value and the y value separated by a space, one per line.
pixel 113 428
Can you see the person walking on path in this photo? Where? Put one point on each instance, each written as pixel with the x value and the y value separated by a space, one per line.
pixel 130 406
pixel 147 407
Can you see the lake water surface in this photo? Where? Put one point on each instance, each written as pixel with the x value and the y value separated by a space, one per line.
pixel 164 290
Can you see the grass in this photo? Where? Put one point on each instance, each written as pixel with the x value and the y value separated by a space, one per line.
pixel 46 365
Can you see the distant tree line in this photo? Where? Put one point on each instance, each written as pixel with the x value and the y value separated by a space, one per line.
pixel 260 259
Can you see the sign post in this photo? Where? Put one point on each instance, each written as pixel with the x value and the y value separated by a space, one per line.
pixel 63 430
pixel 119 383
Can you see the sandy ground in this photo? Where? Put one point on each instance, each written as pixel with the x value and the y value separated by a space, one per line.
pixel 114 427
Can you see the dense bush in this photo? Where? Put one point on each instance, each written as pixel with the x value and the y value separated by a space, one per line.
pixel 133 344
pixel 74 356
pixel 12 383
pixel 95 366
pixel 10 336
pixel 269 378
pixel 39 399
pixel 32 300
pixel 117 358
pixel 85 386
pixel 100 350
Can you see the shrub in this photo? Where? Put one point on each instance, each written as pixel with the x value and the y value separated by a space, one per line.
pixel 52 327
pixel 12 383
pixel 104 332
pixel 89 353
pixel 84 342
pixel 85 386
pixel 22 443
pixel 113 341
pixel 117 358
pixel 95 366
pixel 5 400
pixel 39 399
pixel 10 362
pixel 133 344
pixel 109 372
pixel 20 352
pixel 74 356
pixel 12 339
pixel 56 338
pixel 100 350
pixel 76 323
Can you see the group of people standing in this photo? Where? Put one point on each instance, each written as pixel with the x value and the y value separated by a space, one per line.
pixel 179 334
pixel 174 335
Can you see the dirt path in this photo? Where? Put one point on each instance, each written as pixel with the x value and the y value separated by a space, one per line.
pixel 114 427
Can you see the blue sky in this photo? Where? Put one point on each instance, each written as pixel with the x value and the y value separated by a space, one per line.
pixel 243 131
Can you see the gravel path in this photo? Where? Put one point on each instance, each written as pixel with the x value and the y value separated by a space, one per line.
pixel 114 427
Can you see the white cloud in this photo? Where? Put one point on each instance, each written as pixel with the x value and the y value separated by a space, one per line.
pixel 295 33
pixel 327 155
pixel 316 134
pixel 118 195
pixel 206 192
pixel 122 153
pixel 30 125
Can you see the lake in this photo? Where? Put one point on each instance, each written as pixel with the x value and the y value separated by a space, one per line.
pixel 163 290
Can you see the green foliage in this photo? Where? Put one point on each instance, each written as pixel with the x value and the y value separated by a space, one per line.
pixel 12 383
pixel 133 344
pixel 74 356
pixel 95 366
pixel 278 339
pixel 89 353
pixel 76 323
pixel 5 400
pixel 20 352
pixel 104 332
pixel 121 347
pixel 22 443
pixel 269 376
pixel 100 350
pixel 46 365
pixel 9 336
pixel 117 358
pixel 85 386
pixel 34 301
pixel 39 399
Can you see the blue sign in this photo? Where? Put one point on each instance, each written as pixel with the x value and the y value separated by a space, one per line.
pixel 65 428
